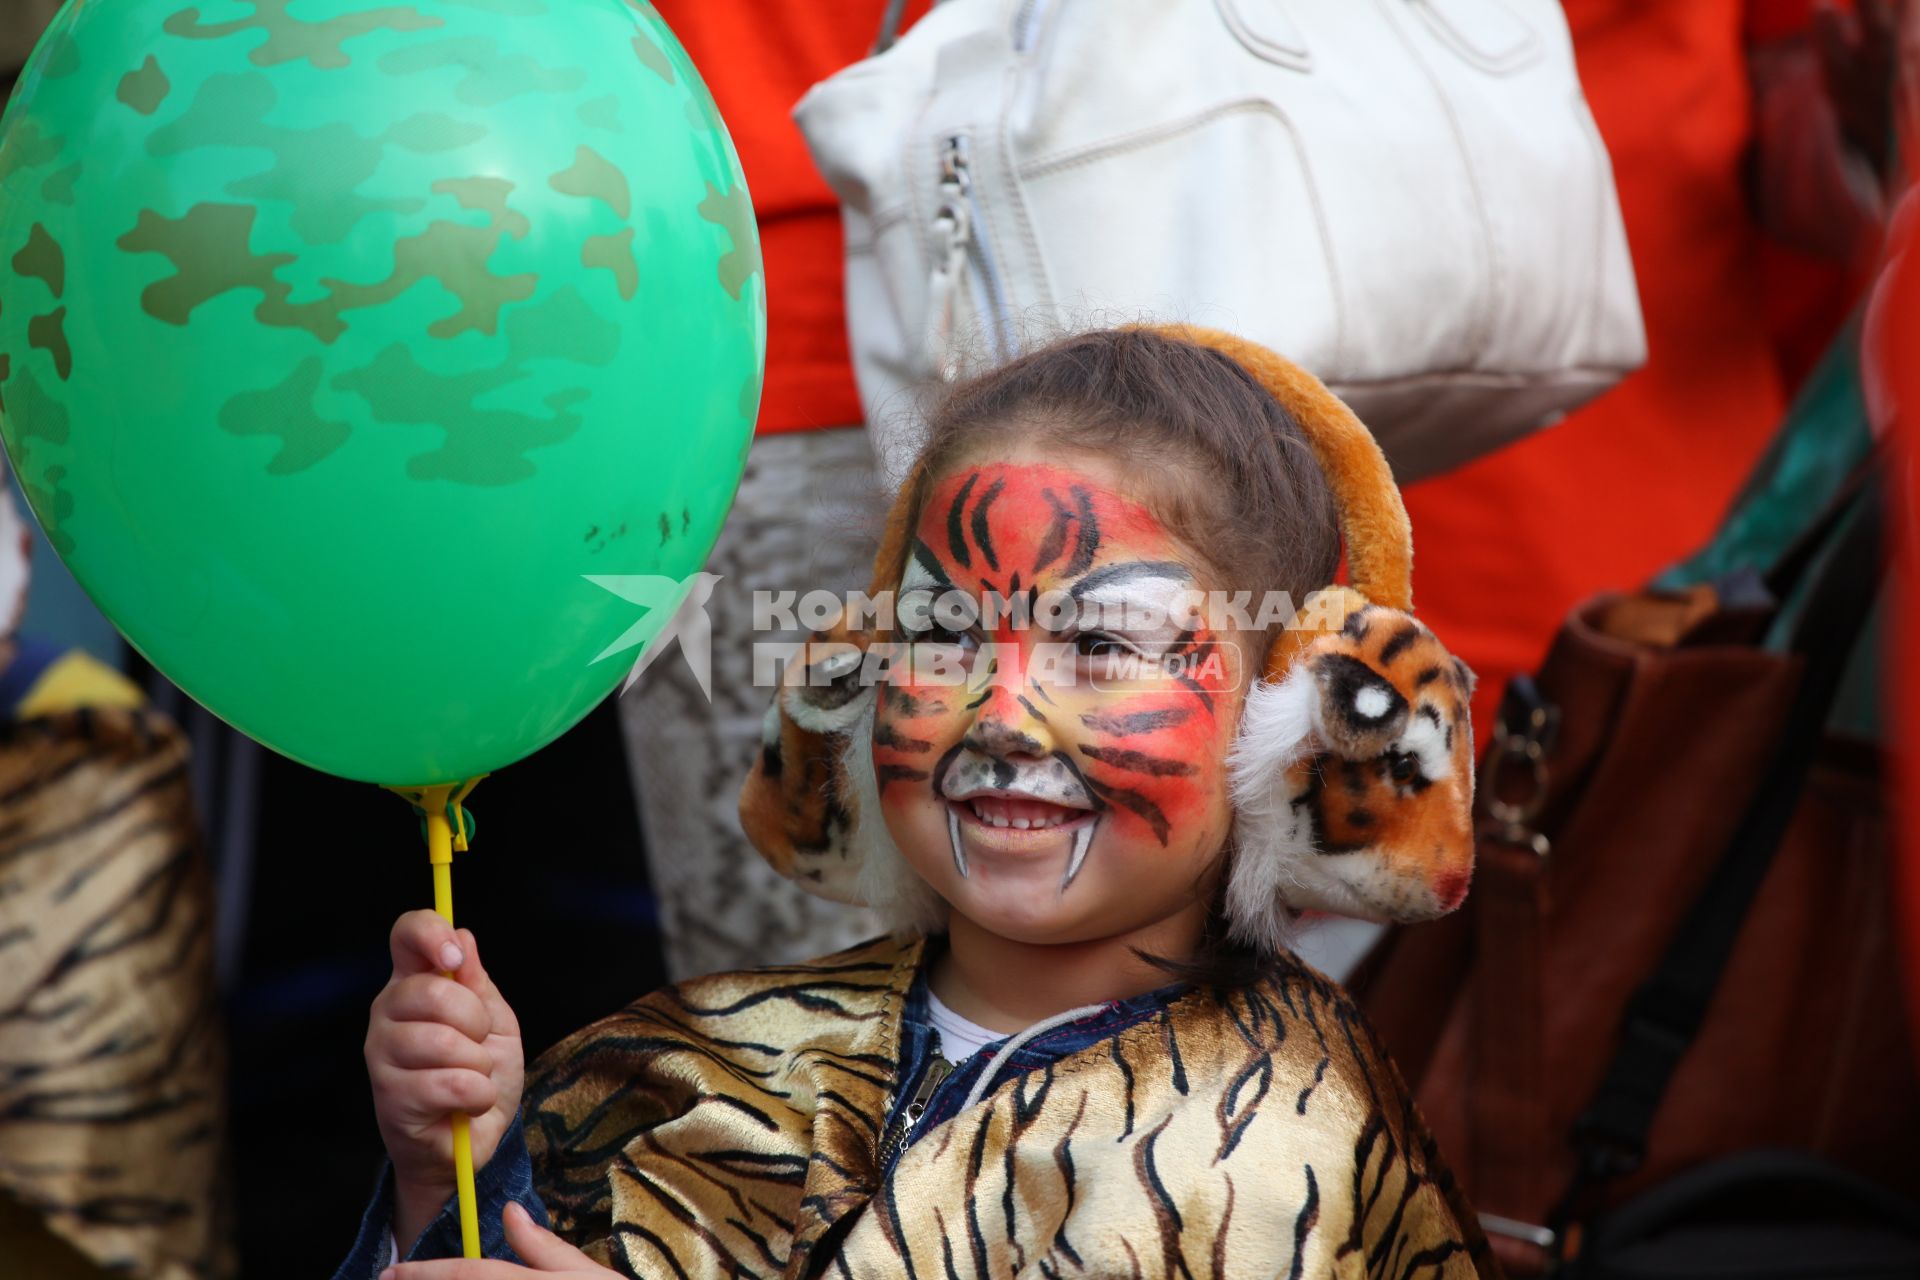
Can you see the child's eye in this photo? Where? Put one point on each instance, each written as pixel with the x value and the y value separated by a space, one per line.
pixel 1098 644
pixel 937 634
pixel 933 633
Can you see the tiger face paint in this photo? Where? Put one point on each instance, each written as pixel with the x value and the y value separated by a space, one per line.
pixel 1053 762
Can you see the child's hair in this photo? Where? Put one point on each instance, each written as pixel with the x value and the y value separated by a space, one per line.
pixel 1221 463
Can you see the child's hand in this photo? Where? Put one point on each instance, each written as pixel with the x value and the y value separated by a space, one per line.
pixel 546 1255
pixel 436 1045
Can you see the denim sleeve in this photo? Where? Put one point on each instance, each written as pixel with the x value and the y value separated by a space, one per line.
pixel 508 1176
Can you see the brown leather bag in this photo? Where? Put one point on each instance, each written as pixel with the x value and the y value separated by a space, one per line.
pixel 1614 785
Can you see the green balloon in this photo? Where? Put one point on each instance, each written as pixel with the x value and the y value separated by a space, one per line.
pixel 349 347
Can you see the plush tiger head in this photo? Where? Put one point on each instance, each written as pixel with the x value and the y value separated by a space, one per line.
pixel 1349 776
pixel 1353 777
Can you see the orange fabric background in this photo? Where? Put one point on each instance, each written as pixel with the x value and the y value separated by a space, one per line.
pixel 758 57
pixel 1641 476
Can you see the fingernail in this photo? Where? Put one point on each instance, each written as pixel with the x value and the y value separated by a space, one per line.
pixel 451 956
pixel 519 1211
pixel 387 1274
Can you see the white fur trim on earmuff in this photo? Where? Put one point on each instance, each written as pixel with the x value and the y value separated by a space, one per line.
pixel 1272 841
pixel 885 881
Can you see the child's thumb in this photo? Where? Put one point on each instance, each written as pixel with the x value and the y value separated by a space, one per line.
pixel 539 1248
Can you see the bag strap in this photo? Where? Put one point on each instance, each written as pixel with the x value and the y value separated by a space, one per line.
pixel 1769 1175
pixel 889 27
pixel 1799 556
pixel 1512 1150
pixel 1666 1012
pixel 1506 1094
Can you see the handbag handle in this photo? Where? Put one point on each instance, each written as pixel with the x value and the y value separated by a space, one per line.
pixel 1666 1012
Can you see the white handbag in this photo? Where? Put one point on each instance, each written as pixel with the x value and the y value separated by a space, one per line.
pixel 1408 197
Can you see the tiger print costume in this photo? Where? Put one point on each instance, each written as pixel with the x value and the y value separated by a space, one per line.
pixel 729 1126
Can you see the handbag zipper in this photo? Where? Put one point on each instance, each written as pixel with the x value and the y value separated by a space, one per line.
pixel 1026 22
pixel 938 1069
pixel 960 238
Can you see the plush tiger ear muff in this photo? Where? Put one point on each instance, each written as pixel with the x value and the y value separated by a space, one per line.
pixel 1352 772
pixel 1353 769
pixel 811 803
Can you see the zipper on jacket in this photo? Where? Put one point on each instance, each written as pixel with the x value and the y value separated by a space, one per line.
pixel 960 240
pixel 937 1070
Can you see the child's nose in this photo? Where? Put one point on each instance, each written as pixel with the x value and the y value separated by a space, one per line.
pixel 997 738
pixel 1006 724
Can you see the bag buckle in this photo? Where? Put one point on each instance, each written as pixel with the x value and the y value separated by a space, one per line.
pixel 1525 732
pixel 1514 1229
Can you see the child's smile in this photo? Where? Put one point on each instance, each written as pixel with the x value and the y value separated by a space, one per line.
pixel 1064 733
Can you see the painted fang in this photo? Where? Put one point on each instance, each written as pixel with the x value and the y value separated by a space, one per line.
pixel 959 849
pixel 1082 840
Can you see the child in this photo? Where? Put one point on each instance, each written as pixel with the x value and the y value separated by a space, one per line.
pixel 1092 800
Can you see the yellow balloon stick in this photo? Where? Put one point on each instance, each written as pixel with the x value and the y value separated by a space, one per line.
pixel 436 802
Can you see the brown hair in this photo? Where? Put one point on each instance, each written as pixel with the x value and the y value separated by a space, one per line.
pixel 1223 466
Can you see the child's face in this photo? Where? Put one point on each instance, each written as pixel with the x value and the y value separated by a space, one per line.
pixel 1059 779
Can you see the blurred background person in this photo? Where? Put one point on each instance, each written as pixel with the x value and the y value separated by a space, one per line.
pixel 806 516
pixel 112 1094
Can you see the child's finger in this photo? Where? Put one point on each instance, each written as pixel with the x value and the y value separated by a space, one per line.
pixel 422 942
pixel 475 978
pixel 421 1046
pixel 428 997
pixel 543 1250
pixel 428 1097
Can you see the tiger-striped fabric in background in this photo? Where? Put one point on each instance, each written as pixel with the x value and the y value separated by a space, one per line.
pixel 111 1108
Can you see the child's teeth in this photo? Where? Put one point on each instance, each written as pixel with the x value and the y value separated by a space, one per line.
pixel 995 817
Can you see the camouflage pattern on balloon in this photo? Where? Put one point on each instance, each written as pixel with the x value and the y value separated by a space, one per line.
pixel 343 343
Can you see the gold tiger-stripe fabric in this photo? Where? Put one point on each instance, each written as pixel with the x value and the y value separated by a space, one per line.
pixel 111 1112
pixel 730 1126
